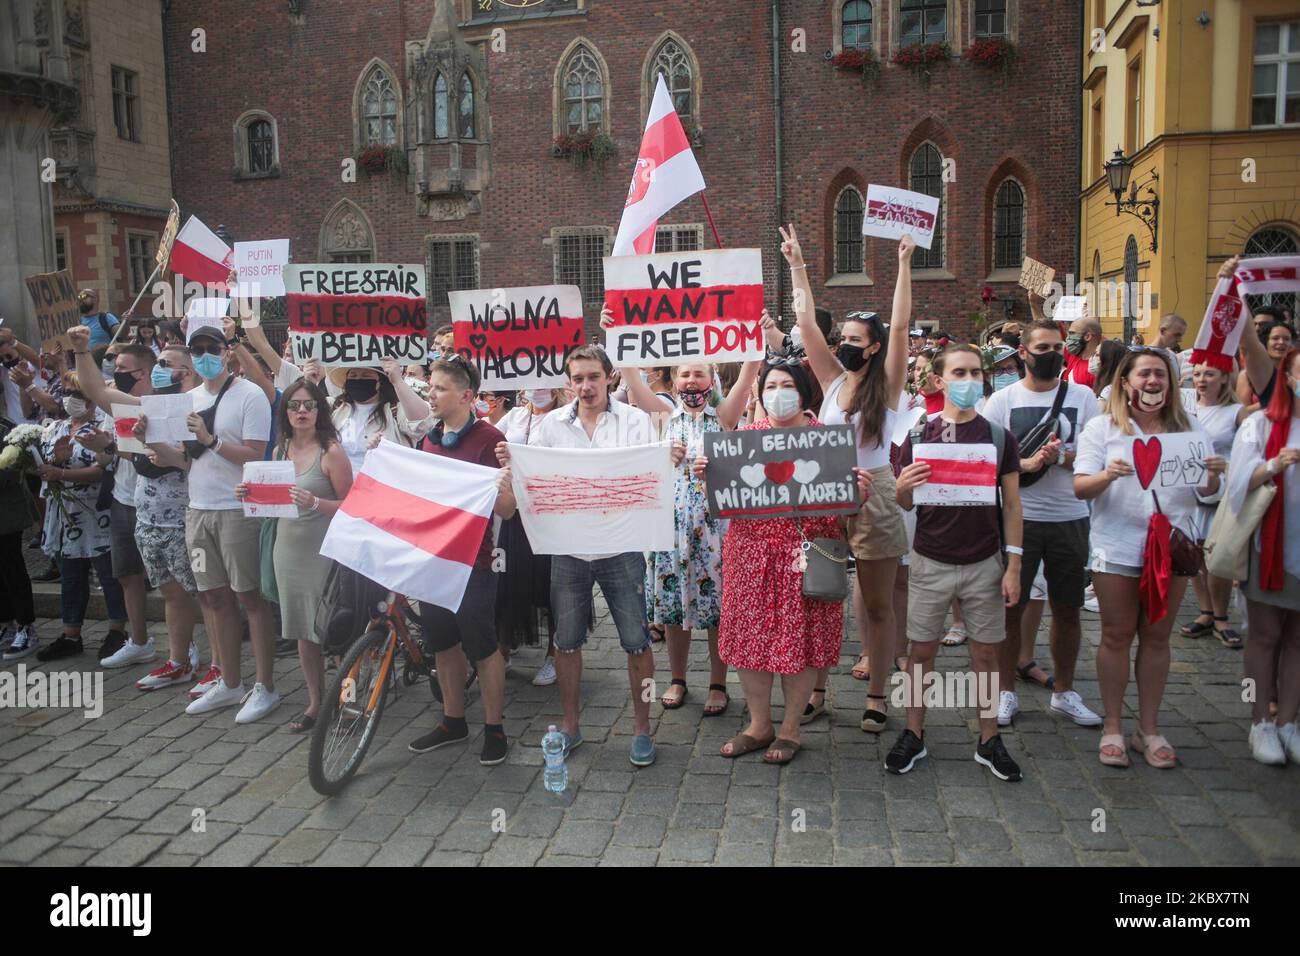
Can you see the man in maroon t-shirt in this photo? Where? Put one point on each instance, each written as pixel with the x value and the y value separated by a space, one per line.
pixel 957 554
pixel 471 631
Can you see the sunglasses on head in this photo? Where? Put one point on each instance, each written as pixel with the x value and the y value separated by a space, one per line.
pixel 784 361
pixel 301 404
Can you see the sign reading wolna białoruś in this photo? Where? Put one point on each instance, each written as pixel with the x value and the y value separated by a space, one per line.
pixel 775 472
pixel 343 314
pixel 518 338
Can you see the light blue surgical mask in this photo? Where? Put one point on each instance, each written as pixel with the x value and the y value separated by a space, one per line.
pixel 1004 380
pixel 965 393
pixel 208 366
pixel 160 377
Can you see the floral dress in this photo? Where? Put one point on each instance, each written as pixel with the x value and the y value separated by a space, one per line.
pixel 767 623
pixel 73 528
pixel 684 586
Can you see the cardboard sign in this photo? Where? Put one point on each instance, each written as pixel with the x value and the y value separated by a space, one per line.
pixel 269 483
pixel 1037 277
pixel 1268 274
pixel 1071 308
pixel 1173 460
pixel 57 310
pixel 124 419
pixel 260 268
pixel 166 416
pixel 960 475
pixel 168 238
pixel 518 338
pixel 348 315
pixel 892 213
pixel 781 472
pixel 595 500
pixel 681 307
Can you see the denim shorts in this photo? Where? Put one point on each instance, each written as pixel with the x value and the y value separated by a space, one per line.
pixel 622 581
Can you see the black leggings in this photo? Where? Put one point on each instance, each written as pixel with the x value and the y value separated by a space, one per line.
pixel 15 586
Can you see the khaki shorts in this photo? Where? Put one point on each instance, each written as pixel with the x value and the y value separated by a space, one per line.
pixel 931 587
pixel 877 530
pixel 225 550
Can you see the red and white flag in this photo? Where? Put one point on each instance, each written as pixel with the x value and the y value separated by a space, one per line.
pixel 414 522
pixel 960 474
pixel 199 255
pixel 666 174
pixel 1220 336
pixel 1266 274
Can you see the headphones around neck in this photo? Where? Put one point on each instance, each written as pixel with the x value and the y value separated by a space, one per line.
pixel 451 439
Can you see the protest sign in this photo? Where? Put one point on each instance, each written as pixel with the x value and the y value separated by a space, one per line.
pixel 959 474
pixel 345 314
pixel 595 500
pixel 781 472
pixel 168 238
pixel 124 419
pixel 518 338
pixel 1037 277
pixel 269 484
pixel 55 300
pixel 165 417
pixel 1172 460
pixel 680 307
pixel 260 268
pixel 208 310
pixel 1071 308
pixel 1268 274
pixel 892 213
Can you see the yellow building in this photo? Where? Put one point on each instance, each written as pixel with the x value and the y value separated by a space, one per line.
pixel 1204 95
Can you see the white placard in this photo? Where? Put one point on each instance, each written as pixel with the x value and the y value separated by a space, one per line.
pixel 906 420
pixel 274 479
pixel 347 314
pixel 1173 460
pixel 124 418
pixel 1071 308
pixel 892 213
pixel 260 266
pixel 959 474
pixel 166 416
pixel 207 311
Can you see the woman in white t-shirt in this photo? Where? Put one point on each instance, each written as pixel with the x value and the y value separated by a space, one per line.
pixel 1130 582
pixel 374 404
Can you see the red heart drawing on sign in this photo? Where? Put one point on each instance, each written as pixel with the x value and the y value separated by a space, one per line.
pixel 1146 459
pixel 779 471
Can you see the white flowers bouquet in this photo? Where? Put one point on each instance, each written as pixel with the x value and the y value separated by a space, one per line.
pixel 420 387
pixel 22 448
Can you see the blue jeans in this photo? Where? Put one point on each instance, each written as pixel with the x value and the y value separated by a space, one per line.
pixel 74 588
pixel 622 581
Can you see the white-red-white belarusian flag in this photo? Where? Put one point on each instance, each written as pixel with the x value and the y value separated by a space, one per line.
pixel 199 255
pixel 666 173
pixel 414 522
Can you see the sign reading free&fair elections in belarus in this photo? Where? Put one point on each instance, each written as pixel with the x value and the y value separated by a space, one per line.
pixel 518 338
pixel 781 472
pixel 356 314
pixel 680 307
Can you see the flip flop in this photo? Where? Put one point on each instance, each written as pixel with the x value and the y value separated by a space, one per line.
pixel 674 704
pixel 1050 683
pixel 1118 756
pixel 714 710
pixel 956 635
pixel 1148 747
pixel 301 724
pixel 862 669
pixel 742 744
pixel 784 749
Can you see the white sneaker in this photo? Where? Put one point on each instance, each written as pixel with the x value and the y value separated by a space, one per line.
pixel 25 641
pixel 1008 707
pixel 545 675
pixel 1071 705
pixel 1265 745
pixel 1289 736
pixel 215 698
pixel 130 653
pixel 260 703
pixel 1090 600
pixel 210 680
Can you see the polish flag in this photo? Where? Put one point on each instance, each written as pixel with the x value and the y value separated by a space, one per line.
pixel 666 174
pixel 960 474
pixel 414 522
pixel 200 256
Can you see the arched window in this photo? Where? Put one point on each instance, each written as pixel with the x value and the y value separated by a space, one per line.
pixel 1130 288
pixel 926 176
pixel 922 21
pixel 1273 241
pixel 257 150
pixel 346 235
pixel 466 110
pixel 675 64
pixel 378 109
pixel 1009 226
pixel 848 231
pixel 441 109
pixel 855 25
pixel 261 147
pixel 582 84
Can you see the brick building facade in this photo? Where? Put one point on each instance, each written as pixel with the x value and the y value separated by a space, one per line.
pixel 463 108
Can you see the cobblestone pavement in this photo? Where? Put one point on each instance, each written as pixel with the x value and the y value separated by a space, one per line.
pixel 125 788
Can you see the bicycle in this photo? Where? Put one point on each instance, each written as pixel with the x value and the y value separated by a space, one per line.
pixel 353 706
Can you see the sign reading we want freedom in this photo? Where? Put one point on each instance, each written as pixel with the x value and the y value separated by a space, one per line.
pixel 672 308
pixel 343 314
pixel 518 338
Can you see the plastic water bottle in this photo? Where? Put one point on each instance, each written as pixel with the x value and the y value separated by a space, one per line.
pixel 556 775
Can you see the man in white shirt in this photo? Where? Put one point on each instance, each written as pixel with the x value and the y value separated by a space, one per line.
pixel 597 420
pixel 1056 522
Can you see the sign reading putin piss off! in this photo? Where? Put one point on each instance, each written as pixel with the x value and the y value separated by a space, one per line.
pixel 343 314
pixel 672 308
pixel 518 338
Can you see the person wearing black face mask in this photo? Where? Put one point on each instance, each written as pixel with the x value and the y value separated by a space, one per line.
pixel 376 404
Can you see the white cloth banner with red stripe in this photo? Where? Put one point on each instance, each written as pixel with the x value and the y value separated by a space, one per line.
pixel 1220 336
pixel 199 255
pixel 1268 274
pixel 593 502
pixel 679 307
pixel 959 474
pixel 666 173
pixel 414 522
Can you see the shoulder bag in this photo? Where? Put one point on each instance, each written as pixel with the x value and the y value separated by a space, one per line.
pixel 824 563
pixel 1227 546
pixel 1038 436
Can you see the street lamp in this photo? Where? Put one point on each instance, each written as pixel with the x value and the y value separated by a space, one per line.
pixel 1119 170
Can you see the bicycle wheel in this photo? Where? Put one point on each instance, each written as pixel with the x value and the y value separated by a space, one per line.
pixel 344 730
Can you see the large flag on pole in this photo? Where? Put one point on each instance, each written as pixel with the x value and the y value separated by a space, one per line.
pixel 199 255
pixel 666 174
pixel 414 522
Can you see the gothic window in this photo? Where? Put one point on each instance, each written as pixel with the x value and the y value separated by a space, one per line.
pixel 346 235
pixel 441 109
pixel 926 176
pixel 582 85
pixel 466 107
pixel 1009 226
pixel 379 108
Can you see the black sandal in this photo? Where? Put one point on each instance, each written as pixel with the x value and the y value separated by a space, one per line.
pixel 673 705
pixel 716 711
pixel 301 724
pixel 1228 637
pixel 1196 628
pixel 1050 683
pixel 811 712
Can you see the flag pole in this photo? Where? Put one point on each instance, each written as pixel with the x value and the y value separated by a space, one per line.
pixel 716 238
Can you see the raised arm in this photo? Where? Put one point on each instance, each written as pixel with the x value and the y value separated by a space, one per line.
pixel 821 359
pixel 416 409
pixel 262 346
pixel 88 373
pixel 1259 368
pixel 733 405
pixel 638 391
pixel 900 323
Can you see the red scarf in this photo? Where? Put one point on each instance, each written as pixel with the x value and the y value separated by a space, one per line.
pixel 1272 571
pixel 933 403
pixel 1157 565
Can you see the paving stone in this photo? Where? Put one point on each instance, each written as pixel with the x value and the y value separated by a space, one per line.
pixel 515 851
pixel 689 846
pixel 129 850
pixel 276 821
pixel 243 849
pixel 301 846
pixel 581 838
pixel 640 830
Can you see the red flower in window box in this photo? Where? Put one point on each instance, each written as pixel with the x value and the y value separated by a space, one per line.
pixel 583 147
pixel 986 294
pixel 991 52
pixel 922 55
pixel 857 61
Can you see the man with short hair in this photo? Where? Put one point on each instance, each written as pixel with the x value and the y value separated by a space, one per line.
pixel 956 554
pixel 444 340
pixel 101 324
pixel 1083 340
pixel 1172 329
pixel 1055 521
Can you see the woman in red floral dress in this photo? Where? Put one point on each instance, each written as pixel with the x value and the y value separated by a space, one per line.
pixel 768 627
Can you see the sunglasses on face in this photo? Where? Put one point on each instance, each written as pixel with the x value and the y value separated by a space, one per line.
pixel 214 349
pixel 301 404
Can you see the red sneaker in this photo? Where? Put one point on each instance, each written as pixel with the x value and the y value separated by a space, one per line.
pixel 170 673
pixel 211 677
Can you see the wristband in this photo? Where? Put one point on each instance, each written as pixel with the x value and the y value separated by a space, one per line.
pixel 1012 549
pixel 212 446
pixel 1269 465
pixel 793 268
pixel 315 503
